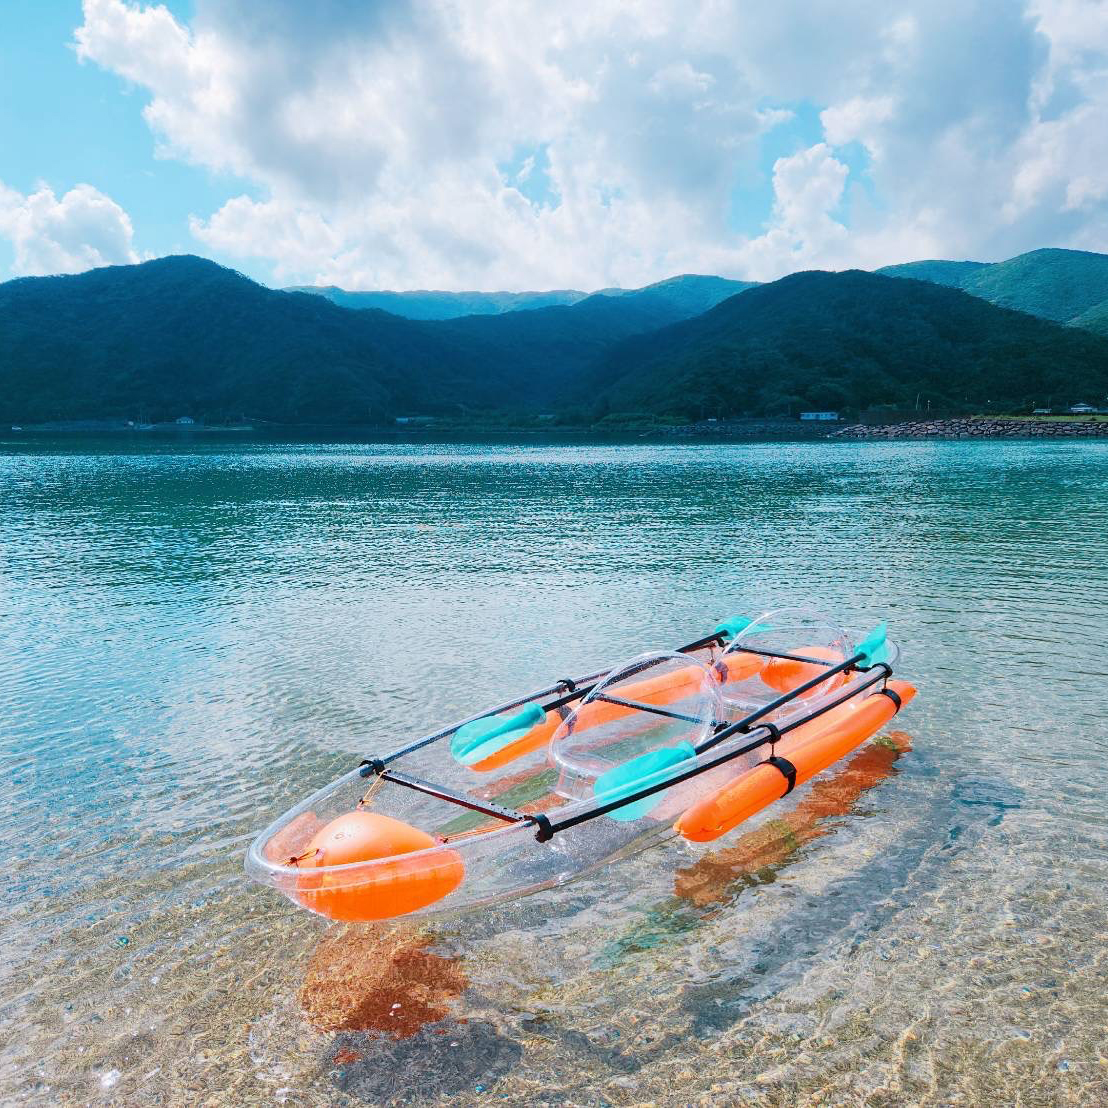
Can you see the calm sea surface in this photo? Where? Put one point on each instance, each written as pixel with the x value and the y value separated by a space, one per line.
pixel 193 636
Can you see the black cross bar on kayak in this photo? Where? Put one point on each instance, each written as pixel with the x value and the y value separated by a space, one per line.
pixel 440 792
pixel 772 733
pixel 780 654
pixel 792 694
pixel 648 708
pixel 742 725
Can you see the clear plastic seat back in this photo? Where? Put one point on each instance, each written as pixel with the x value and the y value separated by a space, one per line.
pixel 645 717
pixel 791 647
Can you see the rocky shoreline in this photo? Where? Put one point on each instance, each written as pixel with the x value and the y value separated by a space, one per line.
pixel 977 428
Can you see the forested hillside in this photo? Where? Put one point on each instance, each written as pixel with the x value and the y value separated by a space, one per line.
pixel 847 341
pixel 184 336
pixel 682 297
pixel 1067 286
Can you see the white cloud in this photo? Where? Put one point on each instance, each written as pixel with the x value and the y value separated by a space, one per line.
pixel 78 231
pixel 858 119
pixel 375 138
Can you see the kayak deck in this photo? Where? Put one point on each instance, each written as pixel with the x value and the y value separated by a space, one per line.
pixel 538 790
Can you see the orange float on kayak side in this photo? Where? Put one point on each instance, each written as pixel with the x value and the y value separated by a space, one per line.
pixel 810 753
pixel 395 886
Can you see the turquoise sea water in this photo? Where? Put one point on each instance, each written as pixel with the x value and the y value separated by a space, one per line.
pixel 194 636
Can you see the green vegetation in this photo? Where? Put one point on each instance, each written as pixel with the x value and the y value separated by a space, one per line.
pixel 848 341
pixel 953 274
pixel 1095 319
pixel 430 304
pixel 683 296
pixel 1054 284
pixel 1067 286
pixel 185 337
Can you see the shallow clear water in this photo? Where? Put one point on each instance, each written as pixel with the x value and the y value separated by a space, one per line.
pixel 192 637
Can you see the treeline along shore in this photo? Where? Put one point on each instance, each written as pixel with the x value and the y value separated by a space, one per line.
pixel 972 428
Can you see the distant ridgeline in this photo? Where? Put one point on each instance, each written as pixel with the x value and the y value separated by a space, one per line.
pixel 182 336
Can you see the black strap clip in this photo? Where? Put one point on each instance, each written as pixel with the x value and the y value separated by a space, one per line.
pixel 372 765
pixel 568 684
pixel 893 695
pixel 545 832
pixel 785 768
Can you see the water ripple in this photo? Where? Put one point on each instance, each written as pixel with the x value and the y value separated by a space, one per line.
pixel 195 636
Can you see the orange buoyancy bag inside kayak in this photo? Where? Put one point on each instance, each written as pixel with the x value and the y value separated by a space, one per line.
pixel 786 674
pixel 811 748
pixel 660 690
pixel 393 886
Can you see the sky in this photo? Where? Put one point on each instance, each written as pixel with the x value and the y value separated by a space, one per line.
pixel 511 144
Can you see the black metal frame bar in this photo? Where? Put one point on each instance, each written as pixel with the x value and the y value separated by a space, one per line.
pixel 652 708
pixel 782 654
pixel 792 694
pixel 580 687
pixel 487 807
pixel 773 733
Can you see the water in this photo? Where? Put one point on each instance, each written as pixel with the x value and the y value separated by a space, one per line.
pixel 194 636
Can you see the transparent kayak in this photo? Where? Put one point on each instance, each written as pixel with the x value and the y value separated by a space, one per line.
pixel 537 791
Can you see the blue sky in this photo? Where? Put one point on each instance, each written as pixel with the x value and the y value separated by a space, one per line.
pixel 496 144
pixel 65 122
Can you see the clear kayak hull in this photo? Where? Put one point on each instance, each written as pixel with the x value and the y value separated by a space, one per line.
pixel 537 792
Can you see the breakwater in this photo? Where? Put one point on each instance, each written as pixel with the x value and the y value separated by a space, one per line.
pixel 976 428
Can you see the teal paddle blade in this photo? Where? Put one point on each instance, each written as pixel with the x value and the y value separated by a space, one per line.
pixel 729 628
pixel 873 648
pixel 478 740
pixel 638 773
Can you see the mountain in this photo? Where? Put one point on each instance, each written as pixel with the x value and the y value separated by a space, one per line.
pixel 429 304
pixel 1054 284
pixel 184 336
pixel 551 348
pixel 684 296
pixel 954 274
pixel 849 340
pixel 1062 285
pixel 680 297
pixel 1095 319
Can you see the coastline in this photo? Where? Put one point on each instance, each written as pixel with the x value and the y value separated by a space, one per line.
pixel 707 431
pixel 977 428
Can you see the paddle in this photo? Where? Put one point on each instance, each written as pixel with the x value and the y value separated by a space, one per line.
pixel 631 776
pixel 873 648
pixel 622 780
pixel 484 737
